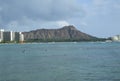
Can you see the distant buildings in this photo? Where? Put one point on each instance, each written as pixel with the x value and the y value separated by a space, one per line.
pixel 10 36
pixel 116 38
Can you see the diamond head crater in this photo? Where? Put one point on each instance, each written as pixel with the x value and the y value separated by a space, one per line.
pixel 64 34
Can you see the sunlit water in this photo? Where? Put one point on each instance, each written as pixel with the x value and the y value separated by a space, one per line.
pixel 60 62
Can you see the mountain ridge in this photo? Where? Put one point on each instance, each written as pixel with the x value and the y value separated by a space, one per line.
pixel 66 33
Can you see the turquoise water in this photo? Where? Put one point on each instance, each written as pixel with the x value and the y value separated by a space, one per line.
pixel 60 62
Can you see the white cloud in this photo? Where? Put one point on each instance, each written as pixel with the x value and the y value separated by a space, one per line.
pixel 101 16
pixel 39 9
pixel 99 7
pixel 62 23
pixel 25 15
pixel 27 24
pixel 32 14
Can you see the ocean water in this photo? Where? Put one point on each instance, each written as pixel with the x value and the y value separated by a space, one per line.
pixel 84 61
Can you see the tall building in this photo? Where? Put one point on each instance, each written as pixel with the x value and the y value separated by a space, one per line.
pixel 8 36
pixel 1 34
pixel 19 37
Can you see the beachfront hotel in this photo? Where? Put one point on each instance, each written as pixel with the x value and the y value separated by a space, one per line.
pixel 9 36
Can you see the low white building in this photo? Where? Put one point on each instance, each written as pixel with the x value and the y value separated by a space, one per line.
pixel 116 38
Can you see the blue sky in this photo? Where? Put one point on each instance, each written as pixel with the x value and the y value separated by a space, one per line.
pixel 99 18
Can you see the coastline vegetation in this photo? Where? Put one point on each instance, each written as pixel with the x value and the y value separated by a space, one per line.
pixel 65 40
pixel 56 40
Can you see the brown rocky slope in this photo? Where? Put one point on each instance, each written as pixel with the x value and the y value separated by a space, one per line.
pixel 67 33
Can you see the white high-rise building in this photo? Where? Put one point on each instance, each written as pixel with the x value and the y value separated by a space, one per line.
pixel 8 36
pixel 1 34
pixel 21 37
